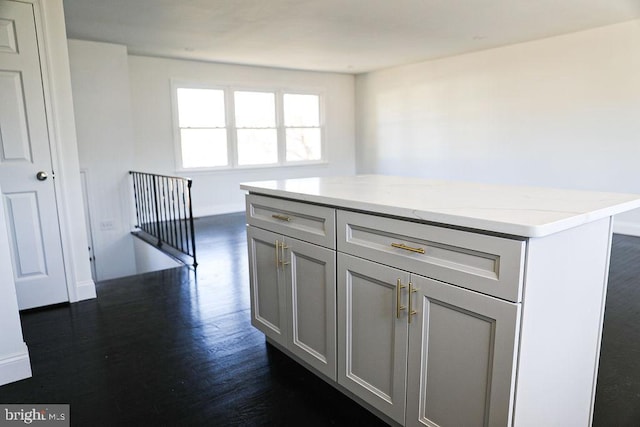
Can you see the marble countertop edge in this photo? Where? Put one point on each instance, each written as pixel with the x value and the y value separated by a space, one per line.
pixel 538 216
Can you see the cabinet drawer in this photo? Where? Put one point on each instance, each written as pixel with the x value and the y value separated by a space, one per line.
pixel 310 223
pixel 488 264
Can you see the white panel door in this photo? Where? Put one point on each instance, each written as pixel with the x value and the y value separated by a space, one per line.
pixel 32 219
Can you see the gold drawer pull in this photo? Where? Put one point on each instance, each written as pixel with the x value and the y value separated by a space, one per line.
pixel 407 248
pixel 410 305
pixel 283 247
pixel 399 287
pixel 281 217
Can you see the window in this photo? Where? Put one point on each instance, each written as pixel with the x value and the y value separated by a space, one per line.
pixel 256 132
pixel 302 127
pixel 203 135
pixel 226 128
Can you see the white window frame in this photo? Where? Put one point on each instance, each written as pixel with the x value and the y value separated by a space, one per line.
pixel 232 129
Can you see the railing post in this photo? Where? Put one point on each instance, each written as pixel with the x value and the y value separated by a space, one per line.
pixel 183 206
pixel 193 231
pixel 135 196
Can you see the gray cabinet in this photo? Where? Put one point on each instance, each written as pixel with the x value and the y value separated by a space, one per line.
pixel 444 349
pixel 457 303
pixel 421 351
pixel 293 299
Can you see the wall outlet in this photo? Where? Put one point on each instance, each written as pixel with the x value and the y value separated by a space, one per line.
pixel 107 224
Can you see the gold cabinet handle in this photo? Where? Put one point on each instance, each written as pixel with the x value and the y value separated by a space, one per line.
pixel 412 290
pixel 283 247
pixel 407 248
pixel 280 247
pixel 399 287
pixel 281 217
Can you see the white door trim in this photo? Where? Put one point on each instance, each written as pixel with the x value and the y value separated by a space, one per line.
pixel 84 176
pixel 56 79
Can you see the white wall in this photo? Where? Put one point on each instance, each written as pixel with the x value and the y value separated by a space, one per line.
pixel 124 122
pixel 561 112
pixel 14 356
pixel 101 97
pixel 218 192
pixel 149 258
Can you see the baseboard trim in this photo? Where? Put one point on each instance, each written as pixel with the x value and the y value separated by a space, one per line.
pixel 626 228
pixel 16 367
pixel 218 210
pixel 85 290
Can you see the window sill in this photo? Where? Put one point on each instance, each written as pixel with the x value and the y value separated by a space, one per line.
pixel 244 169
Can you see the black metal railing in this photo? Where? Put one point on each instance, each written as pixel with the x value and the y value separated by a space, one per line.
pixel 164 214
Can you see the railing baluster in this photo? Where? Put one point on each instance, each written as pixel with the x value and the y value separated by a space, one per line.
pixel 152 225
pixel 167 192
pixel 185 215
pixel 165 211
pixel 145 204
pixel 157 210
pixel 147 218
pixel 172 198
pixel 173 215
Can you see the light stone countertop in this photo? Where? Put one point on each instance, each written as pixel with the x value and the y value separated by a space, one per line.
pixel 516 210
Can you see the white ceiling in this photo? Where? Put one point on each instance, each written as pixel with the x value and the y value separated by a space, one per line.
pixel 350 36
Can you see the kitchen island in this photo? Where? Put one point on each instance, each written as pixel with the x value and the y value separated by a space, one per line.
pixel 437 302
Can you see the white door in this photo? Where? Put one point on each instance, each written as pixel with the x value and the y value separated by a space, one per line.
pixel 32 220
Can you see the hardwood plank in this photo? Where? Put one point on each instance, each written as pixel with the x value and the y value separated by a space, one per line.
pixel 618 389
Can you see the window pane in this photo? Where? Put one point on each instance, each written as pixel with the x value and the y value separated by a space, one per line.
pixel 301 110
pixel 203 147
pixel 200 108
pixel 303 144
pixel 257 146
pixel 255 109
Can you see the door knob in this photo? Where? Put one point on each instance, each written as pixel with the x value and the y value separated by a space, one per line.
pixel 41 176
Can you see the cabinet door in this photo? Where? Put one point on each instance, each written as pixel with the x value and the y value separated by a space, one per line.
pixel 311 302
pixel 462 349
pixel 372 340
pixel 268 296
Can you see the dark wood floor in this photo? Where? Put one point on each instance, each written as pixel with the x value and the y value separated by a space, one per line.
pixel 618 391
pixel 176 348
